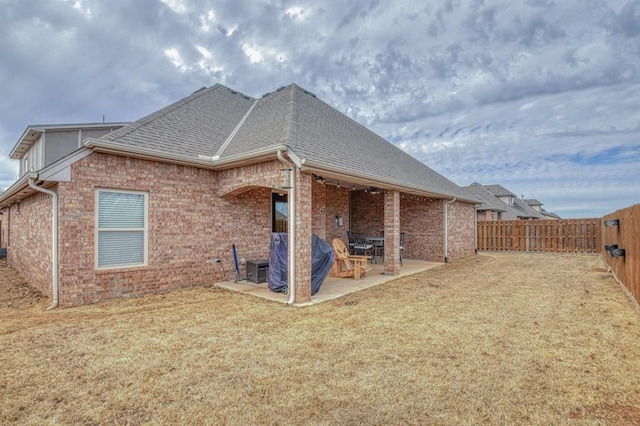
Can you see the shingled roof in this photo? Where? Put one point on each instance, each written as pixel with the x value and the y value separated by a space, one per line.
pixel 489 201
pixel 519 209
pixel 223 124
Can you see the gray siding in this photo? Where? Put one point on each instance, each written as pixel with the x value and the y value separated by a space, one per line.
pixel 59 144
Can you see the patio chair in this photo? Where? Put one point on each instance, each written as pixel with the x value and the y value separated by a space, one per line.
pixel 378 247
pixel 346 265
pixel 361 246
pixel 352 242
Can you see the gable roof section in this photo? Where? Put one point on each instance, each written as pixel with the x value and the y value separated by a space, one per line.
pixel 323 137
pixel 499 191
pixel 196 125
pixel 489 201
pixel 223 125
pixel 519 208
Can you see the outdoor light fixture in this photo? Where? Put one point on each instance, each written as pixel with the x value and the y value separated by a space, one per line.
pixel 339 221
pixel 374 191
pixel 319 179
pixel 612 222
pixel 616 252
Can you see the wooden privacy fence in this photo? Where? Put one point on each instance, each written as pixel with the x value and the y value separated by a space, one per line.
pixel 565 235
pixel 624 259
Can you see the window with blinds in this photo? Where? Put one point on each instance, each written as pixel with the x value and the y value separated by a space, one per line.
pixel 121 228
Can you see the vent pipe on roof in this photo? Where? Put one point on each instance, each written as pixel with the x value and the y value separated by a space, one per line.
pixel 54 247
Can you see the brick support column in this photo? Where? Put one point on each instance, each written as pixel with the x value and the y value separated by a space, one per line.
pixel 392 233
pixel 303 220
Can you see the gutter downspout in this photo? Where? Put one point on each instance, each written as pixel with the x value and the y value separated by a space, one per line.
pixel 292 229
pixel 54 248
pixel 446 228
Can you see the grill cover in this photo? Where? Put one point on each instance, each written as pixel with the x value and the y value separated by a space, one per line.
pixel 321 261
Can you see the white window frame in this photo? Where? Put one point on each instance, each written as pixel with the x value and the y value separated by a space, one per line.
pixel 144 230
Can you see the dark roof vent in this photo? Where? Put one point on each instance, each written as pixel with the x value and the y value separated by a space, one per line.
pixel 199 90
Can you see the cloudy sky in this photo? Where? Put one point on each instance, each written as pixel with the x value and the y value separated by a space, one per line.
pixel 540 96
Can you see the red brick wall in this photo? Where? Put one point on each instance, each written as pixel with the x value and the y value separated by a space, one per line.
pixel 195 215
pixel 319 213
pixel 367 213
pixel 304 196
pixel 461 235
pixel 421 219
pixel 484 215
pixel 29 235
pixel 392 232
pixel 337 203
pixel 189 225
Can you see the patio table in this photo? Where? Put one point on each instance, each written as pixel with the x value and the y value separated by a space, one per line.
pixel 377 243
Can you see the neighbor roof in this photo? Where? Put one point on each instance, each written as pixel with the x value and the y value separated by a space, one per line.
pixel 489 201
pixel 519 208
pixel 223 124
pixel 532 202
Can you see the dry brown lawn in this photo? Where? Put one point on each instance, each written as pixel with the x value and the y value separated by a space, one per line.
pixel 492 339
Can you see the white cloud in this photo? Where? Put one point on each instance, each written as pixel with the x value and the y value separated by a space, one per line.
pixel 517 93
pixel 176 59
pixel 207 20
pixel 177 6
pixel 298 13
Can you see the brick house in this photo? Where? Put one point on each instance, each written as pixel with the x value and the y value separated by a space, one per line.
pixel 498 203
pixel 146 207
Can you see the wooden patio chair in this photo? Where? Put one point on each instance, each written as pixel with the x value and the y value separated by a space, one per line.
pixel 347 265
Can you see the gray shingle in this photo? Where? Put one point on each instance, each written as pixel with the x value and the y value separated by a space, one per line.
pixel 202 122
pixel 518 209
pixel 489 201
pixel 317 132
pixel 197 124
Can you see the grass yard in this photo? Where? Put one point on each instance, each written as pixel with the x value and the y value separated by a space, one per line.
pixel 492 339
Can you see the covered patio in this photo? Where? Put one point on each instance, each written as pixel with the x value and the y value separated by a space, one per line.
pixel 332 287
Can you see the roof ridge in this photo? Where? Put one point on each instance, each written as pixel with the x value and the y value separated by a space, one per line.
pixel 291 133
pixel 235 130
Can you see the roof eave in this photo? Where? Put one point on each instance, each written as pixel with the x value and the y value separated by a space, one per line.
pixel 17 191
pixel 367 179
pixel 24 142
pixel 203 161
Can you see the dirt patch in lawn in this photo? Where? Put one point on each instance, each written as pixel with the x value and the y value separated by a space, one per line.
pixel 494 339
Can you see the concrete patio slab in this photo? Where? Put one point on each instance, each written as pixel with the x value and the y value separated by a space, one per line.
pixel 333 288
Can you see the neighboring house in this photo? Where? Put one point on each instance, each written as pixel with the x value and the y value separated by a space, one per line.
pixel 41 145
pixel 537 206
pixel 498 203
pixel 147 207
pixel 491 208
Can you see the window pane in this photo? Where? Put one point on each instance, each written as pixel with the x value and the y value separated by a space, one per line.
pixel 120 248
pixel 120 210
